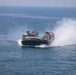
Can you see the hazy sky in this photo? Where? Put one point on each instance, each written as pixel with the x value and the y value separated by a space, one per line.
pixel 59 3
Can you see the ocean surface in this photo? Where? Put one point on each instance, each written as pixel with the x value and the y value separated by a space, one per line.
pixel 57 59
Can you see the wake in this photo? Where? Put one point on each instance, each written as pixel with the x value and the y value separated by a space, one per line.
pixel 29 16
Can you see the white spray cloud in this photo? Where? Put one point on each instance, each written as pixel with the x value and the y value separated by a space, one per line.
pixel 65 33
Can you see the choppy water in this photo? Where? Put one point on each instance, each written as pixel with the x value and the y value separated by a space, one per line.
pixel 58 59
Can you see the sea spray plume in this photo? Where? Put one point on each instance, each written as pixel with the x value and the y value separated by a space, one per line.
pixel 65 32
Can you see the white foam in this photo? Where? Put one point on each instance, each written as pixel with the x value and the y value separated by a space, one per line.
pixel 19 42
pixel 42 46
pixel 65 32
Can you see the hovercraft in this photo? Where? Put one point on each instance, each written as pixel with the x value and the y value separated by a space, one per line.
pixel 33 39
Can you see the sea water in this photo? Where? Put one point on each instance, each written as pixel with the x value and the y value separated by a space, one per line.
pixel 57 59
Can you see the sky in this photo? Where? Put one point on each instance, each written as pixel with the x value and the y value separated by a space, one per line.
pixel 43 3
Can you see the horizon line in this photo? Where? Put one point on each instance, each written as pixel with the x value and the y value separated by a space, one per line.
pixel 36 6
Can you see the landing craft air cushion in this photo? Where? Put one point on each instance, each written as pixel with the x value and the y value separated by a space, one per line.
pixel 33 39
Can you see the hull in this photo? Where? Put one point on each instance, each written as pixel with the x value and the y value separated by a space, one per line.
pixel 34 42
